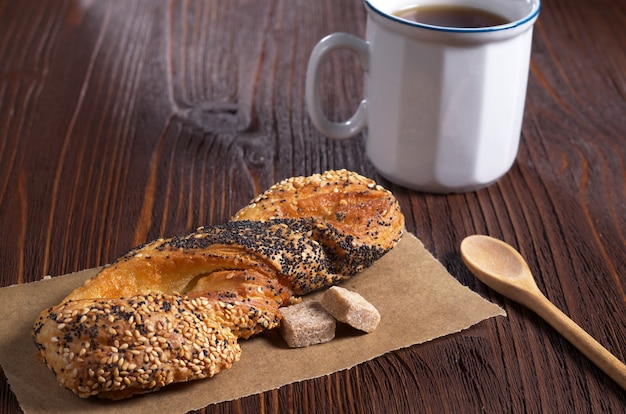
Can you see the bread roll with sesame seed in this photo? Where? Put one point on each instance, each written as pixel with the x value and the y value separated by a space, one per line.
pixel 172 310
pixel 120 347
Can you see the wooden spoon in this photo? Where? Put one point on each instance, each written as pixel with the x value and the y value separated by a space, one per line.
pixel 502 268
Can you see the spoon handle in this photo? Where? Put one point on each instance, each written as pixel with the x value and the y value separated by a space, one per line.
pixel 585 343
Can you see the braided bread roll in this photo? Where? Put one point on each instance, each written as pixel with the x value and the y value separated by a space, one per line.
pixel 172 310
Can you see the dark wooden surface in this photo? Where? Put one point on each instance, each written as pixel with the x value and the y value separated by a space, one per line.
pixel 121 121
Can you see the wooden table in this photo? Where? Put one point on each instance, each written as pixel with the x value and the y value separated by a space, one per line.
pixel 122 121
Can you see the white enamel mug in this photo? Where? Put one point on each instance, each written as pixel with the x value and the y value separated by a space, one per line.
pixel 443 106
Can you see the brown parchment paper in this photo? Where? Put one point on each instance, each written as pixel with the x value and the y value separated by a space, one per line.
pixel 417 298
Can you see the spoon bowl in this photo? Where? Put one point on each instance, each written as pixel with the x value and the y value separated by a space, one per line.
pixel 502 268
pixel 499 266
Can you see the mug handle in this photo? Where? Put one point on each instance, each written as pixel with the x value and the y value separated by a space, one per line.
pixel 356 123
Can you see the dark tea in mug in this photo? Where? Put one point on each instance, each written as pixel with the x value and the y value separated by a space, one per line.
pixel 451 16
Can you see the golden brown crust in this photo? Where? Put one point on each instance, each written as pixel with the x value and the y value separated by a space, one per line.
pixel 357 220
pixel 301 235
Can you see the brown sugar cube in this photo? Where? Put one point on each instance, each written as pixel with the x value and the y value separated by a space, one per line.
pixel 306 323
pixel 351 308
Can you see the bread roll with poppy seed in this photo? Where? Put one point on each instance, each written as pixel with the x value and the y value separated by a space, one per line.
pixel 356 219
pixel 281 250
pixel 155 315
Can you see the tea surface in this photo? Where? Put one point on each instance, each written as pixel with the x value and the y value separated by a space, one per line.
pixel 452 16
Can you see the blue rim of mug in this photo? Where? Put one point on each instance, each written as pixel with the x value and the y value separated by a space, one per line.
pixel 507 26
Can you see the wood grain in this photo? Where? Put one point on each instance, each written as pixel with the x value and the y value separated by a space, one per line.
pixel 123 121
